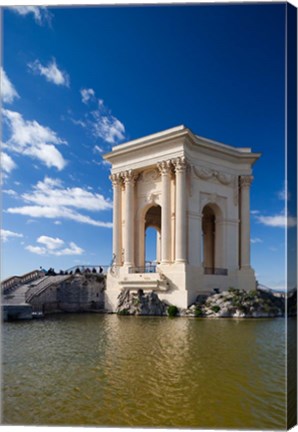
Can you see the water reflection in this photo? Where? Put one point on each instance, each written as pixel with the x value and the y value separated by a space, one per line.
pixel 145 371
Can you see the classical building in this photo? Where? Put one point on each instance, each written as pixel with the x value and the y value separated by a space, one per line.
pixel 196 194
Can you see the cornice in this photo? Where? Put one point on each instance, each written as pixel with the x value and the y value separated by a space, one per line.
pixel 188 139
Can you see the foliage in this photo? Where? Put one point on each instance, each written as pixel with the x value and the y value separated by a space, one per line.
pixel 233 290
pixel 198 312
pixel 123 312
pixel 172 311
pixel 215 308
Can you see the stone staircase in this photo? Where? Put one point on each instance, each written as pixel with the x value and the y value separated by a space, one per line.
pixel 40 286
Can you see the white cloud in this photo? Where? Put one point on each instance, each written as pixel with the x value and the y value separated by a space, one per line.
pixel 50 242
pixel 9 192
pixel 51 72
pixel 100 121
pixel 254 212
pixel 284 194
pixel 107 127
pixel 6 235
pixel 256 240
pixel 40 13
pixel 54 246
pixel 97 149
pixel 279 221
pixel 34 140
pixel 8 92
pixel 7 163
pixel 50 200
pixel 87 95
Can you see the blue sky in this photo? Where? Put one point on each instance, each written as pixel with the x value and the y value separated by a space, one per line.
pixel 78 80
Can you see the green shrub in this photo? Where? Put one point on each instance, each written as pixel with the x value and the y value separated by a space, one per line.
pixel 172 311
pixel 198 312
pixel 123 312
pixel 233 290
pixel 215 308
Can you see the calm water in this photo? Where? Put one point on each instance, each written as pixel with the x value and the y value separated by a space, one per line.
pixel 144 371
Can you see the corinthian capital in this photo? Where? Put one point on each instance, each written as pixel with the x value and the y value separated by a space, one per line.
pixel 180 164
pixel 129 177
pixel 165 167
pixel 245 181
pixel 116 179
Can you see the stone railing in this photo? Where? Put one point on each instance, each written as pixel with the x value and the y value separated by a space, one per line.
pixel 13 282
pixel 144 269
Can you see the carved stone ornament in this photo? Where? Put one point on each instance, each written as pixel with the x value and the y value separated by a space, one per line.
pixel 152 197
pixel 179 163
pixel 165 167
pixel 224 178
pixel 116 179
pixel 203 173
pixel 151 175
pixel 208 173
pixel 245 181
pixel 129 176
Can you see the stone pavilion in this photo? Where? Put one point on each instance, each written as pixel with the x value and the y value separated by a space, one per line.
pixel 195 193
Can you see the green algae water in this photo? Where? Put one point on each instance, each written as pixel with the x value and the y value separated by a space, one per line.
pixel 109 370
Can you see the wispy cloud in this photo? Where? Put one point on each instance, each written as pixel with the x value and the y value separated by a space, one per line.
pixel 51 72
pixel 8 91
pixel 87 95
pixel 256 240
pixel 7 163
pixel 278 221
pixel 6 235
pixel 100 121
pixel 40 14
pixel 10 192
pixel 49 199
pixel 54 246
pixel 97 150
pixel 284 194
pixel 31 139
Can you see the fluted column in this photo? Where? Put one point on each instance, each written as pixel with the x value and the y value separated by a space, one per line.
pixel 129 181
pixel 117 225
pixel 165 170
pixel 181 225
pixel 245 182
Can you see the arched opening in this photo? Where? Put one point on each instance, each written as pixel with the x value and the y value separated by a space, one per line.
pixel 209 233
pixel 212 240
pixel 152 237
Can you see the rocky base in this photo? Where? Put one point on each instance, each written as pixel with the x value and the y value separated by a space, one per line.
pixel 130 303
pixel 233 303
pixel 236 303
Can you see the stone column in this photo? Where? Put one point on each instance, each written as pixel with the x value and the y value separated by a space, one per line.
pixel 181 225
pixel 158 243
pixel 245 182
pixel 165 170
pixel 129 180
pixel 117 223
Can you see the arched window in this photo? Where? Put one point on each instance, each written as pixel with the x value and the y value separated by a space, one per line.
pixel 209 233
pixel 152 235
pixel 212 240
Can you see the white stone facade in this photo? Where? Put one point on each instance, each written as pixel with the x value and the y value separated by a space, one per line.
pixel 196 193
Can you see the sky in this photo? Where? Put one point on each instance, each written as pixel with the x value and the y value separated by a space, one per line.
pixel 76 81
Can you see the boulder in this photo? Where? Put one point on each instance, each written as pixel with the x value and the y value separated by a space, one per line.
pixel 138 303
